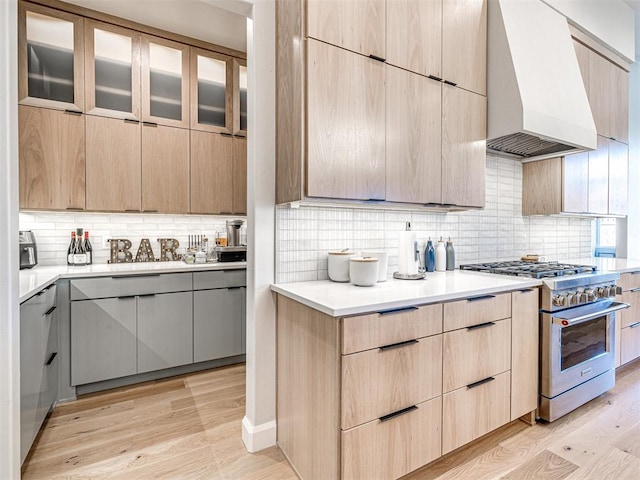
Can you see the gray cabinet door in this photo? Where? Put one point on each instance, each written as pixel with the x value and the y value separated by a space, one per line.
pixel 103 339
pixel 32 346
pixel 165 331
pixel 217 323
pixel 50 393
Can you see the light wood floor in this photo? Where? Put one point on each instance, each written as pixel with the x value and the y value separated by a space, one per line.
pixel 190 427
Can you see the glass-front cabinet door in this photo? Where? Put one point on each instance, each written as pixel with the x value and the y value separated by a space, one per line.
pixel 112 71
pixel 211 96
pixel 50 57
pixel 165 82
pixel 239 97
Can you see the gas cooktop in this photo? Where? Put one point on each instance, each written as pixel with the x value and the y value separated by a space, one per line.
pixel 521 268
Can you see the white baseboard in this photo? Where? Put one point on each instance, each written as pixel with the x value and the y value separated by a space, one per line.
pixel 258 437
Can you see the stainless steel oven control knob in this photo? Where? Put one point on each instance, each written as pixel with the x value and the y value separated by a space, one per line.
pixel 574 298
pixel 559 300
pixel 602 292
pixel 590 294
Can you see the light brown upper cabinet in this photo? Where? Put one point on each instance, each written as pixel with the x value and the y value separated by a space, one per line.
pixel 50 58
pixel 358 26
pixel 607 87
pixel 112 71
pixel 346 124
pixel 113 164
pixel 413 137
pixel 464 140
pixel 165 169
pixel 592 183
pixel 240 175
pixel 414 36
pixel 211 94
pixel 165 82
pixel 211 172
pixel 52 159
pixel 239 97
pixel 464 44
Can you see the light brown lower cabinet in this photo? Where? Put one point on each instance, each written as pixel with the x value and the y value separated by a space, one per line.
pixel 381 394
pixel 373 450
pixel 52 159
pixel 114 170
pixel 628 320
pixel 165 169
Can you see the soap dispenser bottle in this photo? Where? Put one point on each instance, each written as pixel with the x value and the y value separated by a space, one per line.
pixel 429 256
pixel 451 255
pixel 441 256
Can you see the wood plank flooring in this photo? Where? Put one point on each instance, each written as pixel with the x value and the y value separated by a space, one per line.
pixel 189 427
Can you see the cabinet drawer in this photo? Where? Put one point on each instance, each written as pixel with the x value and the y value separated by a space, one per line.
pixel 630 315
pixel 474 353
pixel 380 381
pixel 629 344
pixel 389 327
pixel 485 308
pixel 629 281
pixel 393 447
pixel 41 302
pixel 219 279
pixel 469 413
pixel 129 285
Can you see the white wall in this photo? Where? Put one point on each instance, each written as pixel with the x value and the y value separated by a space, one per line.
pixel 498 232
pixel 9 318
pixel 610 21
pixel 53 230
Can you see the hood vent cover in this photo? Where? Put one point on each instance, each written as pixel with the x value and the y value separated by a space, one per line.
pixel 527 146
pixel 537 106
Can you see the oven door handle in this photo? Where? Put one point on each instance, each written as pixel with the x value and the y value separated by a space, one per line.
pixel 570 322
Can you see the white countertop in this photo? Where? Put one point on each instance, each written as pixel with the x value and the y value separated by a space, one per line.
pixel 340 299
pixel 35 279
pixel 606 264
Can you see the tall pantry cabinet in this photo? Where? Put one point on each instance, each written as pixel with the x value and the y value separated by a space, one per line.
pixel 379 107
pixel 106 112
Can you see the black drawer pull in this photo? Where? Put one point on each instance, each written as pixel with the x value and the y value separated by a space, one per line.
pixel 635 273
pixel 397 310
pixel 128 297
pixel 482 297
pixel 74 209
pixel 398 345
pixel 147 295
pixel 50 361
pixel 150 211
pixel 481 325
pixel 526 290
pixel 225 134
pixel 481 382
pixel 118 277
pixel 376 57
pixel 150 124
pixel 50 311
pixel 634 325
pixel 131 120
pixel 433 77
pixel 449 82
pixel 73 112
pixel 398 413
pixel 633 290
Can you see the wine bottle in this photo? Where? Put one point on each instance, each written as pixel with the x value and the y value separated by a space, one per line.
pixel 71 249
pixel 88 248
pixel 80 255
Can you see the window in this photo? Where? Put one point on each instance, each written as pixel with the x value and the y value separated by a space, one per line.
pixel 605 237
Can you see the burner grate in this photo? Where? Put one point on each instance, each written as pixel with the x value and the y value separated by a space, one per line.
pixel 530 269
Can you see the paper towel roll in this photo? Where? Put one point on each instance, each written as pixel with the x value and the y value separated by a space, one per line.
pixel 407 264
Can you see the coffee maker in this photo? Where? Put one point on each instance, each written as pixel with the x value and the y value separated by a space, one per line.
pixel 234 251
pixel 28 250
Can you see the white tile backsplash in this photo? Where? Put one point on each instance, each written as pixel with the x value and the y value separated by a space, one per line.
pixel 498 232
pixel 53 231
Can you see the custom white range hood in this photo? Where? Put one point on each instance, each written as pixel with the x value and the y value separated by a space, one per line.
pixel 537 103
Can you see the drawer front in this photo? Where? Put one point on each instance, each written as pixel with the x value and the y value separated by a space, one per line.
pixel 380 381
pixel 474 353
pixel 630 315
pixel 394 447
pixel 392 326
pixel 629 281
pixel 219 279
pixel 472 311
pixel 469 413
pixel 43 301
pixel 629 344
pixel 129 285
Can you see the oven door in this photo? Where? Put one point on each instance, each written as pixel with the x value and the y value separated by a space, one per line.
pixel 577 345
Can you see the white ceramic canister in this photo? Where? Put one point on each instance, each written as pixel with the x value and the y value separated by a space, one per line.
pixel 383 264
pixel 338 268
pixel 364 271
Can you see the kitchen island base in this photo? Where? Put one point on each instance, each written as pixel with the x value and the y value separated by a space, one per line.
pixel 367 396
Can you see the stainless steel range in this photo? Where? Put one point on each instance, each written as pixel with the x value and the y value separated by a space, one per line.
pixel 577 331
